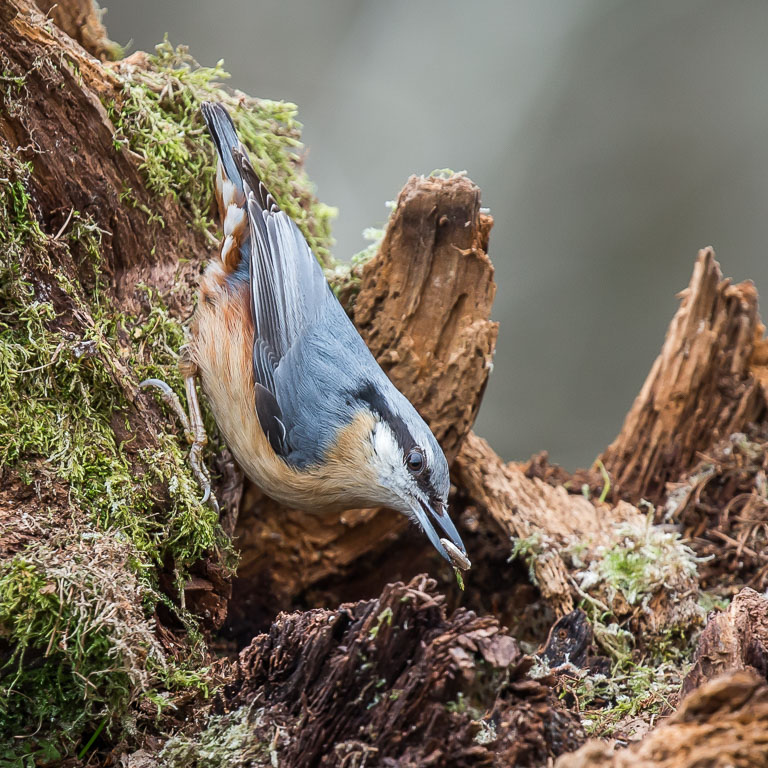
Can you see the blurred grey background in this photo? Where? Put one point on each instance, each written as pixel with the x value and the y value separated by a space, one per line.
pixel 611 140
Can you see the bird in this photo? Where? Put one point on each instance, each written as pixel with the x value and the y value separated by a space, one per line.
pixel 307 412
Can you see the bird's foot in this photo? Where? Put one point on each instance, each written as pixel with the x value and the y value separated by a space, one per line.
pixel 192 423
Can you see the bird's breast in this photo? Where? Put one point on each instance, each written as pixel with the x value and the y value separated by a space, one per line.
pixel 222 348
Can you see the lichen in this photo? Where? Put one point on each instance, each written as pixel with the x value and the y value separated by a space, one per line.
pixel 228 741
pixel 637 582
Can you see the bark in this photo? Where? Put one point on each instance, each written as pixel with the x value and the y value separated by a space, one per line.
pixel 382 680
pixel 705 385
pixel 60 125
pixel 425 303
pixel 732 640
pixel 81 20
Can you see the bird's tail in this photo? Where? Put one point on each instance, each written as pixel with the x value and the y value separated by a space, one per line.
pixel 230 191
pixel 224 135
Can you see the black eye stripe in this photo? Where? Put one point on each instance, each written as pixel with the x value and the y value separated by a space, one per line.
pixel 371 396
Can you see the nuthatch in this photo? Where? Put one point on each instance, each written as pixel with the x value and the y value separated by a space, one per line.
pixel 302 404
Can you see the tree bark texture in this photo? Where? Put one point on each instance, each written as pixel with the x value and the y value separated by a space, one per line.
pixel 705 385
pixel 375 681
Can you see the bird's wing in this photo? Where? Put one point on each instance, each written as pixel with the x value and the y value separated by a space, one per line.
pixel 304 346
pixel 288 293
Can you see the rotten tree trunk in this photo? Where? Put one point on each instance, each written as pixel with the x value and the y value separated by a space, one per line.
pixel 704 386
pixel 380 682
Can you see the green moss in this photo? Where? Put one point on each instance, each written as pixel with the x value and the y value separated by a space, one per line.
pixel 644 559
pixel 528 550
pixel 78 650
pixel 76 647
pixel 80 647
pixel 384 618
pixel 631 695
pixel 158 118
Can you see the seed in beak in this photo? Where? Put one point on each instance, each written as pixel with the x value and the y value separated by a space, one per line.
pixel 458 558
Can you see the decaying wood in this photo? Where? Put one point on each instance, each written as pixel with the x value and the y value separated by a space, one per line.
pixel 523 507
pixel 66 133
pixel 423 307
pixel 81 20
pixel 705 385
pixel 733 639
pixel 58 123
pixel 722 510
pixel 425 302
pixel 569 640
pixel 723 723
pixel 396 680
pixel 377 679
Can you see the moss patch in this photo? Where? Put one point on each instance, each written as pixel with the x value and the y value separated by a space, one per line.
pixel 236 740
pixel 80 647
pixel 158 118
pixel 80 660
pixel 76 642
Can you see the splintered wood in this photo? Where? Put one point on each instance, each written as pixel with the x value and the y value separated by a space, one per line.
pixel 702 387
pixel 380 680
pixel 425 303
pixel 736 638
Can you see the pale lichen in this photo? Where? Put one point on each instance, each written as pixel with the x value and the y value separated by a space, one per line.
pixel 227 741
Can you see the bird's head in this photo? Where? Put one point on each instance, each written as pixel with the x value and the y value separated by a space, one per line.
pixel 411 470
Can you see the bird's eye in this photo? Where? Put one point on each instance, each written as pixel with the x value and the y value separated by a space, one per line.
pixel 415 461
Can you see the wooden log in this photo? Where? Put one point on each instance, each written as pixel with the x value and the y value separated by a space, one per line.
pixel 425 302
pixel 705 385
pixel 523 507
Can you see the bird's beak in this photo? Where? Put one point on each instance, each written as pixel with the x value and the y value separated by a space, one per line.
pixel 451 548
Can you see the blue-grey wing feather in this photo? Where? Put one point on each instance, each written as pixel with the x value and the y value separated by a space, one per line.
pixel 308 358
pixel 289 298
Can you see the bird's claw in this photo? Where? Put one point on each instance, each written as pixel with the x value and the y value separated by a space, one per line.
pixel 193 429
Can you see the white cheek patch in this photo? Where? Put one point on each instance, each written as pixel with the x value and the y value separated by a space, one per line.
pixel 385 446
pixel 388 462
